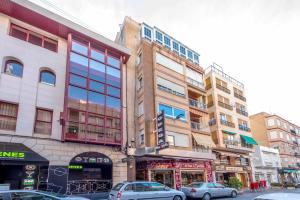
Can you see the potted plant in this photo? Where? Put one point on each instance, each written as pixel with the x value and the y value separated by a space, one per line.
pixel 234 182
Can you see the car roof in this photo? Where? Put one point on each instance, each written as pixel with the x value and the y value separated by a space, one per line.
pixel 280 196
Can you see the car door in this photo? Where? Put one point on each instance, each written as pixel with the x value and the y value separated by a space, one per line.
pixel 128 193
pixel 160 191
pixel 220 190
pixel 142 191
pixel 212 189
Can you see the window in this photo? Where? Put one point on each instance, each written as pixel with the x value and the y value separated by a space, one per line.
pixel 33 38
pixel 97 71
pixel 139 59
pixel 182 51
pixel 170 87
pixel 190 55
pixel 159 37
pixel 142 137
pixel 171 140
pixel 79 48
pixel 148 33
pixel 113 76
pixel 43 121
pixel 14 68
pixel 271 122
pixel 47 77
pixel 175 47
pixel 97 55
pixel 8 116
pixel 114 62
pixel 273 134
pixel 196 58
pixel 140 109
pixel 169 63
pixel 173 112
pixel 167 42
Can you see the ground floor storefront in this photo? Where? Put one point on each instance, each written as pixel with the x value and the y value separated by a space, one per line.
pixel 174 173
pixel 71 168
pixel 289 175
pixel 270 175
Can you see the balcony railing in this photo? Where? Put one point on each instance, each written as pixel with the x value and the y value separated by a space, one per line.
pixel 244 128
pixel 197 104
pixel 224 89
pixel 195 83
pixel 224 105
pixel 227 123
pixel 196 126
pixel 212 122
pixel 240 97
pixel 242 112
pixel 234 142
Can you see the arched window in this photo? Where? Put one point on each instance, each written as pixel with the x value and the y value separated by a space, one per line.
pixel 14 68
pixel 47 77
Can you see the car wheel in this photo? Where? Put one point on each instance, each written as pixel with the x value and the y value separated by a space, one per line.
pixel 206 196
pixel 233 194
pixel 177 198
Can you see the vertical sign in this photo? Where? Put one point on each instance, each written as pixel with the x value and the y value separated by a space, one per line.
pixel 161 131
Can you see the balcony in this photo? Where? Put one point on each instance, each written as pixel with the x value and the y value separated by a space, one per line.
pixel 208 86
pixel 241 163
pixel 195 83
pixel 197 104
pixel 240 97
pixel 244 128
pixel 224 105
pixel 210 104
pixel 224 89
pixel 198 127
pixel 232 143
pixel 212 122
pixel 242 112
pixel 227 123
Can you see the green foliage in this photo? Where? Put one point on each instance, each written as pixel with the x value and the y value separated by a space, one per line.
pixel 234 182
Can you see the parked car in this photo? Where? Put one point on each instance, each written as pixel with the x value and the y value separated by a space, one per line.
pixel 278 196
pixel 35 195
pixel 144 190
pixel 206 191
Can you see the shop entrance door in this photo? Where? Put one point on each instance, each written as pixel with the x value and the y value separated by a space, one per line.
pixel 165 177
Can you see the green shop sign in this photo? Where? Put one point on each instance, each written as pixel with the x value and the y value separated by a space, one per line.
pixel 12 154
pixel 75 167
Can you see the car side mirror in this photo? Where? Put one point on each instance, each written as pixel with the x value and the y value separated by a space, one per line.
pixel 167 188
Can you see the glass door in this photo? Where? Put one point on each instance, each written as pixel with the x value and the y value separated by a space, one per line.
pixel 165 177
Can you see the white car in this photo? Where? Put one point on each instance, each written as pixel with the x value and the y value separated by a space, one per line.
pixel 279 196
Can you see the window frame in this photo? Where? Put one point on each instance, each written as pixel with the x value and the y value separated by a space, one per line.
pixel 49 71
pixel 13 61
pixel 36 120
pixel 11 117
pixel 173 112
pixel 175 43
pixel 157 39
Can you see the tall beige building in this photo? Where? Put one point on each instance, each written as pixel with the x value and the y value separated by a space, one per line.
pixel 229 125
pixel 274 131
pixel 165 75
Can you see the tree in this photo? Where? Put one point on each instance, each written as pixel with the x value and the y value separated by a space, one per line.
pixel 234 182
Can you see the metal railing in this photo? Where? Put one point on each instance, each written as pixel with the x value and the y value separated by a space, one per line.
pixel 88 186
pixel 225 105
pixel 195 83
pixel 212 122
pixel 224 89
pixel 240 96
pixel 197 104
pixel 242 112
pixel 199 127
pixel 234 142
pixel 244 128
pixel 227 123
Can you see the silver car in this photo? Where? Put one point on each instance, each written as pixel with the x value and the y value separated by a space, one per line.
pixel 278 196
pixel 206 191
pixel 143 190
pixel 35 195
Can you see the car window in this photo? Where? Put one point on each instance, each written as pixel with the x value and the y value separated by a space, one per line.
pixel 195 185
pixel 218 185
pixel 157 187
pixel 140 187
pixel 117 187
pixel 210 185
pixel 29 196
pixel 129 187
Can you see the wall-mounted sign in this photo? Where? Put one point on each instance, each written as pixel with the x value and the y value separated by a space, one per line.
pixel 161 131
pixel 28 182
pixel 234 169
pixel 91 158
pixel 12 154
pixel 75 167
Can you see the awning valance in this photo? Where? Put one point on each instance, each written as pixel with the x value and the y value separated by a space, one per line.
pixel 19 153
pixel 228 132
pixel 204 140
pixel 248 140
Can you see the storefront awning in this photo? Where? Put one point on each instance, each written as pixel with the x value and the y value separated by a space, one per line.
pixel 18 153
pixel 204 140
pixel 248 140
pixel 228 132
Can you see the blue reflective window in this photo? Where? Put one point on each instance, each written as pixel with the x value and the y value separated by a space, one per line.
pixel 113 91
pixel 113 62
pixel 97 71
pixel 99 87
pixel 196 58
pixel 96 102
pixel 168 109
pixel 78 64
pixel 47 77
pixel 182 50
pixel 80 48
pixel 77 93
pixel 190 55
pixel 113 106
pixel 175 46
pixel 14 68
pixel 158 37
pixel 167 41
pixel 97 55
pixel 113 76
pixel 77 80
pixel 179 112
pixel 147 33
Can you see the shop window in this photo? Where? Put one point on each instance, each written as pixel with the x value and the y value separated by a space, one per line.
pixel 188 177
pixel 43 121
pixel 8 116
pixel 47 77
pixel 14 68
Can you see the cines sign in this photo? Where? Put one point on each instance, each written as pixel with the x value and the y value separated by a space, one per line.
pixel 12 154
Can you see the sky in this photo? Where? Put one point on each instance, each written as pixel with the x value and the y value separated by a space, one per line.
pixel 255 41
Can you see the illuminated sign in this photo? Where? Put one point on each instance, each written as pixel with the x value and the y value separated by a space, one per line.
pixel 75 167
pixel 12 154
pixel 28 181
pixel 161 131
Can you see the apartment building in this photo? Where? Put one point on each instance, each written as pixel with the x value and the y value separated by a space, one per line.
pixel 165 75
pixel 265 163
pixel 276 132
pixel 62 123
pixel 229 125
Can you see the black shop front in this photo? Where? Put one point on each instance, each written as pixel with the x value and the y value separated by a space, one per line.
pixel 21 167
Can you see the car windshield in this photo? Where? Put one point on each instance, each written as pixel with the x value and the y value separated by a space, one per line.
pixel 118 186
pixel 53 194
pixel 196 185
